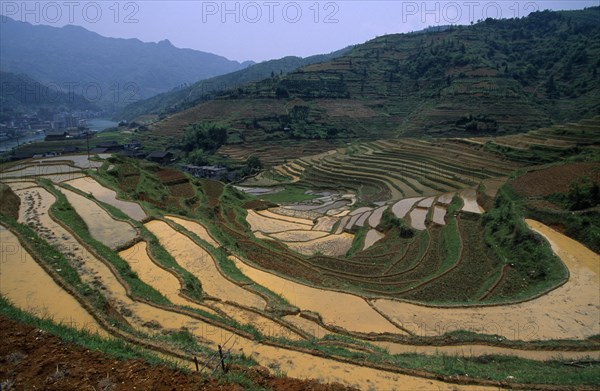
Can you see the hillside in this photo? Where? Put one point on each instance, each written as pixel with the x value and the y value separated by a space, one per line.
pixel 20 93
pixel 185 97
pixel 494 77
pixel 382 263
pixel 134 69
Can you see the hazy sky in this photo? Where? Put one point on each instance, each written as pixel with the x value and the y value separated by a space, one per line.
pixel 262 30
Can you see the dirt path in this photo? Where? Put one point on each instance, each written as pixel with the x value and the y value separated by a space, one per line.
pixel 571 311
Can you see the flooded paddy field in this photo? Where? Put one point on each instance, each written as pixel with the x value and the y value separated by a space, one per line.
pixel 283 310
pixel 102 226
pixel 89 186
pixel 201 264
pixel 27 285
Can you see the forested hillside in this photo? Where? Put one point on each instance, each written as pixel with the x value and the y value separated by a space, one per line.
pixel 494 77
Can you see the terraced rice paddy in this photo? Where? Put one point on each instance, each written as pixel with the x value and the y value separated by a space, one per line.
pixel 332 245
pixel 302 235
pixel 201 264
pixel 339 309
pixel 104 228
pixel 80 161
pixel 399 169
pixel 298 235
pixel 194 228
pixel 165 282
pixel 269 225
pixel 148 318
pixel 63 177
pixel 20 185
pixel 108 196
pixel 58 172
pixel 373 236
pixel 402 207
pixel 470 201
pixel 583 134
pixel 482 350
pixel 417 218
pixel 263 324
pixel 338 266
pixel 439 212
pixel 27 285
pixel 570 311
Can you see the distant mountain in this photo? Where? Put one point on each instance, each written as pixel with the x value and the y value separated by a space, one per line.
pixel 20 93
pixel 107 70
pixel 189 96
pixel 494 77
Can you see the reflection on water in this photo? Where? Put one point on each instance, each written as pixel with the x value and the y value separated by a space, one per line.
pixel 101 225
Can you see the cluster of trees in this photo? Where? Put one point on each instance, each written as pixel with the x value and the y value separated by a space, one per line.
pixel 207 136
pixel 582 194
pixel 478 123
pixel 201 140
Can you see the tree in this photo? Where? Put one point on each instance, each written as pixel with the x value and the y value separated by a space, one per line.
pixel 206 136
pixel 281 93
pixel 198 158
pixel 254 164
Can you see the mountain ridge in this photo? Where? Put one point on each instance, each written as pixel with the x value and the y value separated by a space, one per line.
pixel 494 77
pixel 19 93
pixel 181 98
pixel 123 69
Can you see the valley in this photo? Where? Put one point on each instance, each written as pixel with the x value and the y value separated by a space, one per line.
pixel 420 211
pixel 352 281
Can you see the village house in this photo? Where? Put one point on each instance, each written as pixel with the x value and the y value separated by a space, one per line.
pixel 54 135
pixel 161 157
pixel 210 172
pixel 132 145
pixel 110 146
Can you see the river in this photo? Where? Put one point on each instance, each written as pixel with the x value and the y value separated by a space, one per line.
pixel 95 124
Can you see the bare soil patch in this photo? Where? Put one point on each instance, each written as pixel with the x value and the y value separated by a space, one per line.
pixel 554 179
pixel 33 359
pixel 9 202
